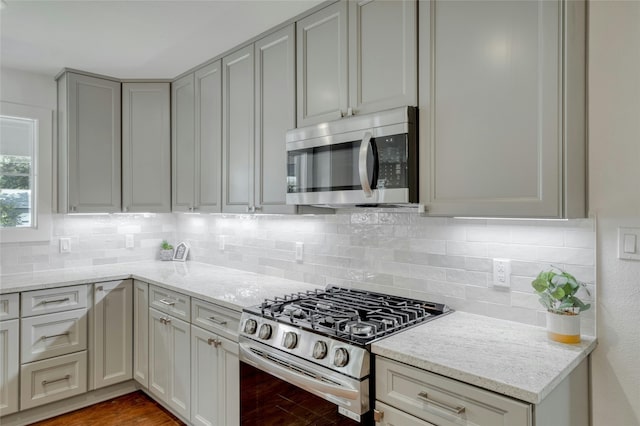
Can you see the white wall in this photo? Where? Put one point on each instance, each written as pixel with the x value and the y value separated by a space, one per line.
pixel 614 168
pixel 27 88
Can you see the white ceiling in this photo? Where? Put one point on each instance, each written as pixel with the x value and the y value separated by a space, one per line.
pixel 134 38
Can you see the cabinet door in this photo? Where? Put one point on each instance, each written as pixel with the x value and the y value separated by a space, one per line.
pixel 490 99
pixel 215 379
pixel 112 333
pixel 169 361
pixel 141 333
pixel 92 151
pixel 9 366
pixel 183 143
pixel 275 114
pixel 238 132
pixel 322 65
pixel 146 148
pixel 208 153
pixel 383 58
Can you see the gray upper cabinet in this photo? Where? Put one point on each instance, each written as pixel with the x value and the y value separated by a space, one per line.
pixel 322 65
pixel 238 130
pixel 274 115
pixel 208 136
pixel 383 55
pixel 197 140
pixel 502 111
pixel 183 143
pixel 146 148
pixel 356 57
pixel 89 143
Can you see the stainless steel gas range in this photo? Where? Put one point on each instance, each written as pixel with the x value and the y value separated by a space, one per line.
pixel 315 349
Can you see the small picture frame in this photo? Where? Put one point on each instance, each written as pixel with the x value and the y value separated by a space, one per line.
pixel 180 254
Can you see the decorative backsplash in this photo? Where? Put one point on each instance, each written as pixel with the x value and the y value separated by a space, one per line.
pixel 441 259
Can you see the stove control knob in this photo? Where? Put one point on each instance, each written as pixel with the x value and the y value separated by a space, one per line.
pixel 250 326
pixel 341 357
pixel 319 350
pixel 265 332
pixel 290 340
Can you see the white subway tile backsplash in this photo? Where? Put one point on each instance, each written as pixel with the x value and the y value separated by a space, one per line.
pixel 447 260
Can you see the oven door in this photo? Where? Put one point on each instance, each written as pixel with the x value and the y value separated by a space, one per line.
pixel 279 389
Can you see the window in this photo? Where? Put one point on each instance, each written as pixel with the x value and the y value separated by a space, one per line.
pixel 25 172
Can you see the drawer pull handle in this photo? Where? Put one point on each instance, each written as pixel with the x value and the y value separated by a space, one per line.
pixel 47 382
pixel 167 302
pixel 214 342
pixel 165 320
pixel 66 299
pixel 455 410
pixel 56 335
pixel 217 321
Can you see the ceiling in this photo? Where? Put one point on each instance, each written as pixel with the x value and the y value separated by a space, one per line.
pixel 132 39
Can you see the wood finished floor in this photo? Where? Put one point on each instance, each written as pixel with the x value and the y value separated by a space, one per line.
pixel 132 409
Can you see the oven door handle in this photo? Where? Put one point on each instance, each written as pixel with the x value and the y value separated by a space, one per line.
pixel 362 165
pixel 337 392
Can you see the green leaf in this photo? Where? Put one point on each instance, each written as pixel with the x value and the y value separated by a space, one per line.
pixel 558 293
pixel 540 285
pixel 559 280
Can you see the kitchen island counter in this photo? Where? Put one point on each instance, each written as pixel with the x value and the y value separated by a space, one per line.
pixel 505 357
pixel 232 288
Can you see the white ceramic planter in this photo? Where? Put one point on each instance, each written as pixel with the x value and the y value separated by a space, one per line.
pixel 166 254
pixel 563 328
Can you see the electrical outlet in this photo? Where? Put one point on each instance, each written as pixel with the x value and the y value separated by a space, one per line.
pixel 299 252
pixel 65 245
pixel 128 241
pixel 502 273
pixel 221 242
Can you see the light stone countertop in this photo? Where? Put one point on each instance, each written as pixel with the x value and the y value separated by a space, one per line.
pixel 505 357
pixel 232 288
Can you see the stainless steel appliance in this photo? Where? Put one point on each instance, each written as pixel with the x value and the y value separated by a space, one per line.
pixel 361 160
pixel 312 350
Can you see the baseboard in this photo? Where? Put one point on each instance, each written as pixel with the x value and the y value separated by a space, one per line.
pixel 53 409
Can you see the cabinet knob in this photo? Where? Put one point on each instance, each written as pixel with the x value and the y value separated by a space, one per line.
pixel 214 342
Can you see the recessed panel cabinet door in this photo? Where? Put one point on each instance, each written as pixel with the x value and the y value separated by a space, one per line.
pixel 491 99
pixel 238 130
pixel 90 144
pixel 146 148
pixel 183 143
pixel 112 333
pixel 9 367
pixel 383 51
pixel 275 114
pixel 141 332
pixel 322 65
pixel 208 153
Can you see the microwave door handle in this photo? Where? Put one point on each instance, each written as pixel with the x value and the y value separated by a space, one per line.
pixel 362 165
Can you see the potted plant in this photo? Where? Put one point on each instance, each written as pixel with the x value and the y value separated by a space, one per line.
pixel 557 290
pixel 166 251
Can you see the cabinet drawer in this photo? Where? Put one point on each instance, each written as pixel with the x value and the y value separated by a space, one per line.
pixel 9 306
pixel 54 300
pixel 46 336
pixel 393 417
pixel 53 379
pixel 215 318
pixel 170 302
pixel 444 401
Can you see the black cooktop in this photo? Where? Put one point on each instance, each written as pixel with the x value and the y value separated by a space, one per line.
pixel 357 316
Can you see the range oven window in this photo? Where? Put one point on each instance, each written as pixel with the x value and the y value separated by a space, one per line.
pixel 269 401
pixel 335 167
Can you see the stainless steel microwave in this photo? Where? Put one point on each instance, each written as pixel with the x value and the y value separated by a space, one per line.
pixel 364 160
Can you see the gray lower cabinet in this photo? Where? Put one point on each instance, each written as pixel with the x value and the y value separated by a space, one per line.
pixel 170 361
pixel 112 334
pixel 89 144
pixel 197 140
pixel 146 148
pixel 141 332
pixel 9 353
pixel 406 395
pixel 502 108
pixel 356 57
